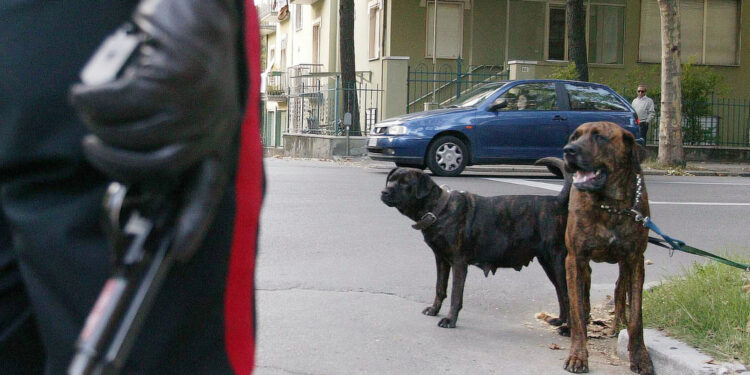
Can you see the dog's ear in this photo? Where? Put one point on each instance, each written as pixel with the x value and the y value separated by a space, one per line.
pixel 635 151
pixel 389 175
pixel 424 185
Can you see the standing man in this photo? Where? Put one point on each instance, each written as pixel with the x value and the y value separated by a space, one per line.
pixel 644 107
pixel 186 85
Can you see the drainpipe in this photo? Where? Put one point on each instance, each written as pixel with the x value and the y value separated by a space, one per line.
pixel 434 53
pixel 507 31
pixel 471 34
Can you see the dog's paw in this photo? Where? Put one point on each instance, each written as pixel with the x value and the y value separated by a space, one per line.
pixel 640 362
pixel 447 323
pixel 577 363
pixel 555 322
pixel 430 310
pixel 564 331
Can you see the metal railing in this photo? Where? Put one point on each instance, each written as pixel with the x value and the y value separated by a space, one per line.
pixel 276 86
pixel 720 122
pixel 316 102
pixel 266 8
pixel 442 84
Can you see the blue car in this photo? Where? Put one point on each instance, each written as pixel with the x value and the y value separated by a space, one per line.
pixel 515 122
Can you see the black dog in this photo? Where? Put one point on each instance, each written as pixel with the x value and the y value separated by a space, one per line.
pixel 488 232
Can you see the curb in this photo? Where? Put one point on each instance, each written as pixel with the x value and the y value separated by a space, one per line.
pixel 672 357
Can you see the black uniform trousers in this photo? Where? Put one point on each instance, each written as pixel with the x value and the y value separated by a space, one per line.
pixel 54 257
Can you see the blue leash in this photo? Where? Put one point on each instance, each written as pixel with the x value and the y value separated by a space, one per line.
pixel 675 244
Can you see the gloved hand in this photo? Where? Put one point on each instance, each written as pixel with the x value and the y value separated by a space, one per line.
pixel 158 110
pixel 161 100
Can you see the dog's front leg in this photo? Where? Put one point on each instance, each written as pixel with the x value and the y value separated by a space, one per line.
pixel 441 286
pixel 640 361
pixel 457 296
pixel 578 274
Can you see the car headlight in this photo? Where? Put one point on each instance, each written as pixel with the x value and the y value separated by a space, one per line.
pixel 396 130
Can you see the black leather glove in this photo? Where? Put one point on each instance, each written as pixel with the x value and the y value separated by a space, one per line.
pixel 161 99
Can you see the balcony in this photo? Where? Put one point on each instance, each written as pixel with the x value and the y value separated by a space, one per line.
pixel 267 28
pixel 275 87
pixel 267 11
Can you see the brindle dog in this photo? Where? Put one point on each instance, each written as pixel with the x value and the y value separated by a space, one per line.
pixel 489 232
pixel 607 200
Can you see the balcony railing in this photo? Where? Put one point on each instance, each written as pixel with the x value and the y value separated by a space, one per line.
pixel 267 9
pixel 276 87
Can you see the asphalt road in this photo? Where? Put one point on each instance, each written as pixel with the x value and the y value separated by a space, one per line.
pixel 342 278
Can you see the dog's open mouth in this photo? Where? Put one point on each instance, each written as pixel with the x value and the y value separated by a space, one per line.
pixel 590 180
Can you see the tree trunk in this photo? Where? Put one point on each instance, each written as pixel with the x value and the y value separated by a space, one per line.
pixel 348 73
pixel 670 124
pixel 577 37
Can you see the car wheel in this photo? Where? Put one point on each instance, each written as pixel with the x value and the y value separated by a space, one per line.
pixel 405 165
pixel 447 156
pixel 558 173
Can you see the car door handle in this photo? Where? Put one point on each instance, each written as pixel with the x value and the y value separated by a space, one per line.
pixel 559 118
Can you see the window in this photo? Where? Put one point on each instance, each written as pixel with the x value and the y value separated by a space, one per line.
pixel 606 33
pixel 589 98
pixel 709 31
pixel 556 41
pixel 297 17
pixel 531 97
pixel 605 28
pixel 374 30
pixel 282 55
pixel 316 44
pixel 448 31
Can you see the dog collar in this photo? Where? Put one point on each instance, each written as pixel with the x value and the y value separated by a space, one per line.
pixel 431 216
pixel 637 215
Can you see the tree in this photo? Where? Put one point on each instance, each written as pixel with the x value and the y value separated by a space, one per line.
pixel 670 124
pixel 348 73
pixel 577 37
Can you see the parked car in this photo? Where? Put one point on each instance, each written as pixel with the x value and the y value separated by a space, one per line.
pixel 514 122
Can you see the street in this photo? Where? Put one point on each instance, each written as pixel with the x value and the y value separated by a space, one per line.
pixel 342 279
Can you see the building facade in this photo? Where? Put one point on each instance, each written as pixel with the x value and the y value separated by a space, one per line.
pixel 395 39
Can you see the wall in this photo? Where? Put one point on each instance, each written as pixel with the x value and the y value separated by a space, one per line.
pixel 322 147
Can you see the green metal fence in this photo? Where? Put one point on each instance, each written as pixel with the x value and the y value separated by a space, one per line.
pixel 721 122
pixel 446 82
pixel 319 108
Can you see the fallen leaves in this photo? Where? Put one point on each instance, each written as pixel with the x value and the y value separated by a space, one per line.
pixel 746 288
pixel 544 316
pixel 554 347
pixel 649 262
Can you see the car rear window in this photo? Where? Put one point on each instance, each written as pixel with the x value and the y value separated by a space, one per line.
pixel 589 98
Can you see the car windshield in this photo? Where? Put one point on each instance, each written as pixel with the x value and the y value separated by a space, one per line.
pixel 477 96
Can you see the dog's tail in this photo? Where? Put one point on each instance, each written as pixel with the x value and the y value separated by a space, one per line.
pixel 557 167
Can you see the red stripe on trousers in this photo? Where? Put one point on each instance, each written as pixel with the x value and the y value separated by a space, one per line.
pixel 239 309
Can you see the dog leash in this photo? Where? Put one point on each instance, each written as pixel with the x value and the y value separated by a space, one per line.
pixel 666 242
pixel 675 244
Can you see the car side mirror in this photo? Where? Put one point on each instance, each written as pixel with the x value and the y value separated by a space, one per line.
pixel 498 105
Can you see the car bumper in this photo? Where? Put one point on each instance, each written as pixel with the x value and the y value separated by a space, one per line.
pixel 400 149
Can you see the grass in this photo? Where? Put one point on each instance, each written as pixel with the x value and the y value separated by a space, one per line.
pixel 707 307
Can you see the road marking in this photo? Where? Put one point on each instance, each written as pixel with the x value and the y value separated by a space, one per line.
pixel 553 187
pixel 699 183
pixel 536 184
